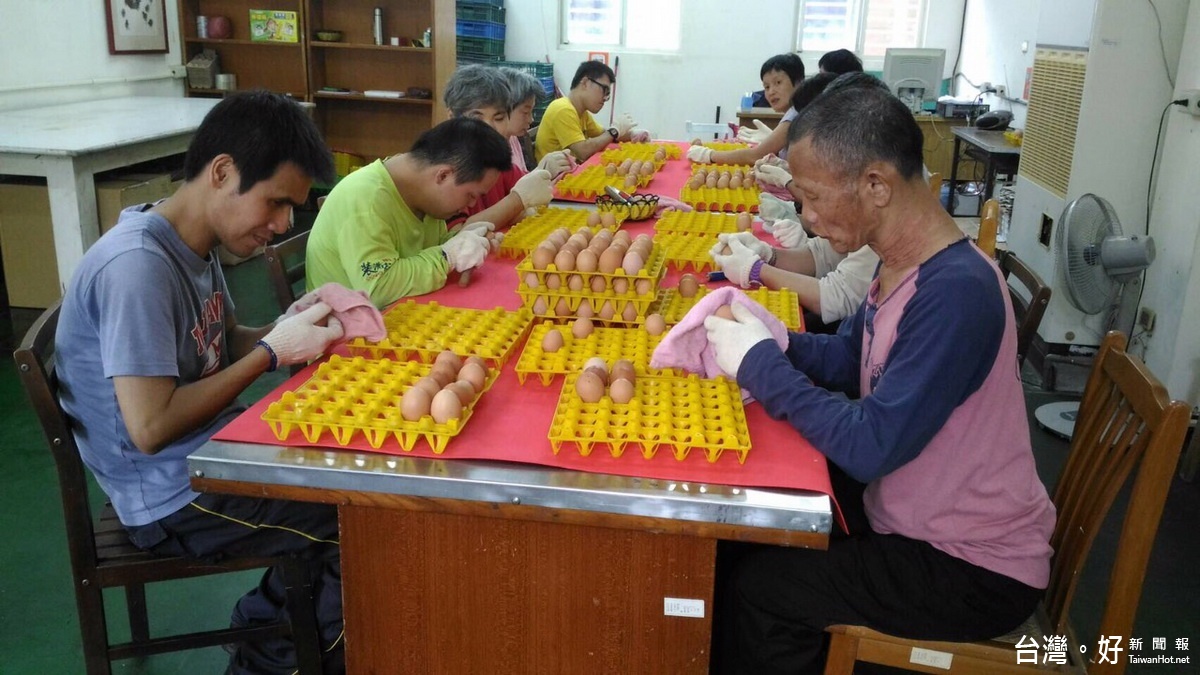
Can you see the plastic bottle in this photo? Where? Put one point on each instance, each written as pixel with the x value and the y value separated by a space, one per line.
pixel 747 101
pixel 378 28
pixel 428 38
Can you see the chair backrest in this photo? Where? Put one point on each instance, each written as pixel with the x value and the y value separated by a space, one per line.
pixel 1028 311
pixel 935 185
pixel 285 267
pixel 1125 416
pixel 989 220
pixel 702 130
pixel 35 364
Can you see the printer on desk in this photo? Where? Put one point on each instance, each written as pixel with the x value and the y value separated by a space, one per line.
pixel 967 110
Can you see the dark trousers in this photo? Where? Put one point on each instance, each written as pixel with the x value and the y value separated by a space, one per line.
pixel 214 527
pixel 774 603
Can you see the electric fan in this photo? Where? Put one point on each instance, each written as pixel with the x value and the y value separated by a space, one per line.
pixel 1096 261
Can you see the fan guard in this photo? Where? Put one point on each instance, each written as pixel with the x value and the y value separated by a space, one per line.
pixel 1084 225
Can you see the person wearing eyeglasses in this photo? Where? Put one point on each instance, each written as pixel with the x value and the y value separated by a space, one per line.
pixel 568 123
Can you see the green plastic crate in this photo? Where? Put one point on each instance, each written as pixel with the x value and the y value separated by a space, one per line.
pixel 480 46
pixel 468 12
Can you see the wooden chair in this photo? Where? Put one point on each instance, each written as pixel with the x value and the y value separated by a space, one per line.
pixel 989 220
pixel 285 268
pixel 1125 416
pixel 103 557
pixel 1028 312
pixel 935 185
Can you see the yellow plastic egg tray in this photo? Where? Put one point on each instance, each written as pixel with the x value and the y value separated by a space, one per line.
pixel 642 151
pixel 783 303
pixel 687 249
pixel 527 234
pixel 652 271
pixel 347 396
pixel 721 199
pixel 633 344
pixel 590 182
pixel 680 413
pixel 726 146
pixel 704 222
pixel 424 330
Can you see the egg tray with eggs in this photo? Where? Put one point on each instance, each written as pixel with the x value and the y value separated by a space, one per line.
pixel 553 349
pixel 700 222
pixel 659 153
pixel 590 182
pixel 527 234
pixel 614 297
pixel 681 413
pixel 672 304
pixel 424 330
pixel 720 187
pixel 347 396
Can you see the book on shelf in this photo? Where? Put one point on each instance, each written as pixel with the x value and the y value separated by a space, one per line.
pixel 269 25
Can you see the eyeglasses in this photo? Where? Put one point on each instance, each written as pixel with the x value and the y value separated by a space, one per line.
pixel 606 88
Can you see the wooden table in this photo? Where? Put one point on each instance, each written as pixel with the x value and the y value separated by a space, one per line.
pixel 69 144
pixel 769 117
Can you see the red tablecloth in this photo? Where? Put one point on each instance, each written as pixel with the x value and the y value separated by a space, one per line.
pixel 667 181
pixel 511 421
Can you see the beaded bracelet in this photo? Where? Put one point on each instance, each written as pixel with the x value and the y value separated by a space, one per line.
pixel 271 353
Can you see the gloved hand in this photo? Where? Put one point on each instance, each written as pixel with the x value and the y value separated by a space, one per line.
pixel 737 263
pixel 625 124
pixel 639 135
pixel 481 227
pixel 772 175
pixel 755 136
pixel 789 233
pixel 760 248
pixel 465 250
pixel 700 154
pixel 771 160
pixel 302 303
pixel 298 338
pixel 557 163
pixel 772 208
pixel 534 188
pixel 731 340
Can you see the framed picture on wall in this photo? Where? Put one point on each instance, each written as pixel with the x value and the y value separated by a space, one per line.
pixel 136 26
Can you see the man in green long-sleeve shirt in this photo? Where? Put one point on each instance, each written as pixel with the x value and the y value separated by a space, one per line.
pixel 383 228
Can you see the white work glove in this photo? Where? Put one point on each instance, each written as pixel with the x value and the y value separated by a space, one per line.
pixel 700 154
pixel 736 265
pixel 557 163
pixel 481 227
pixel 625 124
pixel 760 248
pixel 772 208
pixel 789 233
pixel 298 338
pixel 465 250
pixel 534 188
pixel 755 136
pixel 772 175
pixel 639 136
pixel 731 340
pixel 302 303
pixel 771 159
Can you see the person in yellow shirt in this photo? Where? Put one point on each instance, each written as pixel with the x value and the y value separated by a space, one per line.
pixel 568 123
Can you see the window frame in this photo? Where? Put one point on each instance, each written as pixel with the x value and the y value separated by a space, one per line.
pixel 859 8
pixel 564 12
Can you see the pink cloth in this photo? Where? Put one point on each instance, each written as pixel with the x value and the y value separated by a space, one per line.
pixel 686 345
pixel 518 153
pixel 354 309
pixel 668 204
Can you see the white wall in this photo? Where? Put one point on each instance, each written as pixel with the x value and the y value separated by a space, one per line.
pixel 723 47
pixel 56 51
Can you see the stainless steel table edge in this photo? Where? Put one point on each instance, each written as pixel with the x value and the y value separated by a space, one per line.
pixel 512 483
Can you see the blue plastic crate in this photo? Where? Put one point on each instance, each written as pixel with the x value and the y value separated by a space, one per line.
pixel 480 29
pixel 493 3
pixel 547 84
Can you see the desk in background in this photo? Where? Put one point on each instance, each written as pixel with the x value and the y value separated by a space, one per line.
pixel 989 147
pixel 769 117
pixel 69 144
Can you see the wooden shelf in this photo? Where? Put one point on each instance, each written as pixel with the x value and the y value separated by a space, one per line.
pixel 247 43
pixel 387 48
pixel 373 99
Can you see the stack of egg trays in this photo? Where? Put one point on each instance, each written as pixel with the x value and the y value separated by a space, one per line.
pixel 533 230
pixel 423 330
pixel 653 271
pixel 346 396
pixel 783 303
pixel 697 222
pixel 687 249
pixel 638 151
pixel 721 199
pixel 678 412
pixel 591 181
pixel 633 344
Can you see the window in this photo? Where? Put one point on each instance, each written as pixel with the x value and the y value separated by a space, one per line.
pixel 636 24
pixel 867 27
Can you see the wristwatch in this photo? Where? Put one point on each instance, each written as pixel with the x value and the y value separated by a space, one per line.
pixel 612 131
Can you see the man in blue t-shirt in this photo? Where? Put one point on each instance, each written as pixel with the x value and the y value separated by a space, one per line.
pixel 151 360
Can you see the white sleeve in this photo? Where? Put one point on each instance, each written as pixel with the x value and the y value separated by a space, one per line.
pixel 843 288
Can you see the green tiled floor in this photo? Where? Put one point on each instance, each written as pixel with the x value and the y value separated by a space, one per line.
pixel 39 633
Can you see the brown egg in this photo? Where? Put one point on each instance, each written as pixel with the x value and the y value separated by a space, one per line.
pixel 688 285
pixel 623 369
pixel 531 280
pixel 643 286
pixel 589 386
pixel 620 285
pixel 745 221
pixel 623 168
pixel 575 282
pixel 630 312
pixel 553 282
pixel 598 284
pixel 582 328
pixel 723 181
pixel 593 218
pixel 610 169
pixel 607 311
pixel 585 310
pixel 621 391
pixel 430 385
pixel 647 169
pixel 444 373
pixel 711 181
pixel 552 341
pixel 445 406
pixel 585 232
pixel 473 373
pixel 660 155
pixel 611 259
pixel 539 306
pixel 701 174
pixel 597 365
pixel 415 403
pixel 695 183
pixel 477 360
pixel 587 260
pixel 632 263
pixel 631 180
pixel 562 307
pixel 542 256
pixel 608 219
pixel 464 391
pixel 448 356
pixel 725 312
pixel 655 324
pixel 565 260
pixel 696 141
pixel 735 183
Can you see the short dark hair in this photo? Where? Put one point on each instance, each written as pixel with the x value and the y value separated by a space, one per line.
pixel 851 80
pixel 810 89
pixel 840 61
pixel 594 70
pixel 854 126
pixel 469 145
pixel 790 64
pixel 261 131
